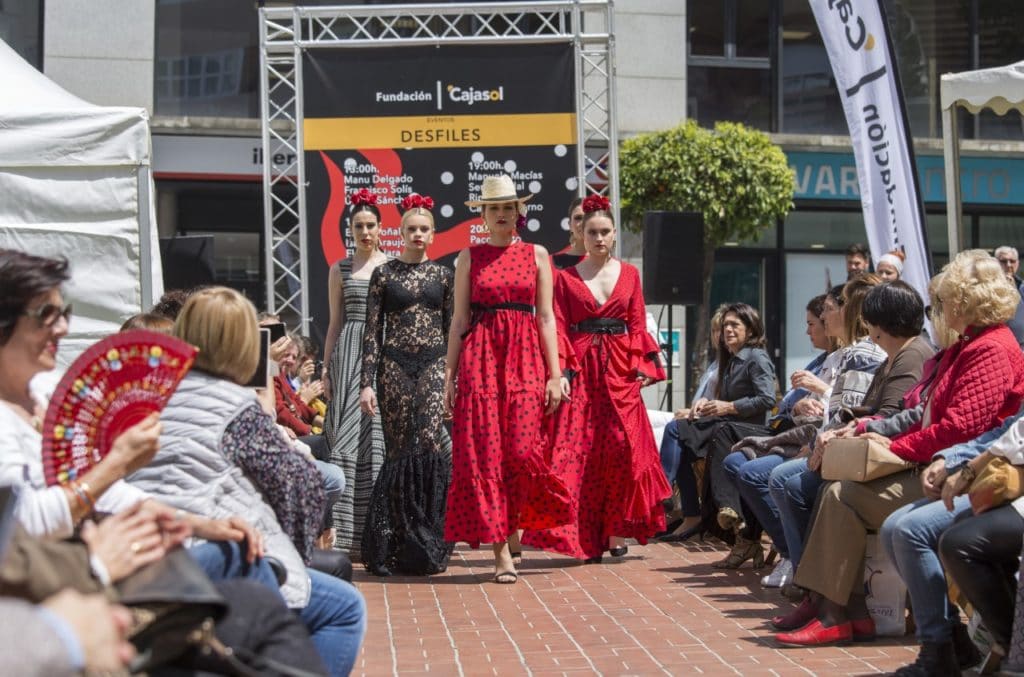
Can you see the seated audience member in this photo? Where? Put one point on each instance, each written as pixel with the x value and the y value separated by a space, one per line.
pixel 979 382
pixel 305 377
pixel 849 370
pixel 1010 262
pixel 293 397
pixel 33 320
pixel 257 622
pixel 67 634
pixel 890 265
pixel 171 302
pixel 150 321
pixel 743 396
pixel 216 434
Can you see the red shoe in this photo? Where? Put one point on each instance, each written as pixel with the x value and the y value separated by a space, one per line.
pixel 798 617
pixel 863 629
pixel 816 634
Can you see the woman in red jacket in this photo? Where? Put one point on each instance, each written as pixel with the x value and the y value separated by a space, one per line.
pixel 979 382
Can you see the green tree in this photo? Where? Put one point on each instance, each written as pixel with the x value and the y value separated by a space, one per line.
pixel 735 177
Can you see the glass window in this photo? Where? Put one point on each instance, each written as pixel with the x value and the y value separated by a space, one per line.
pixel 810 100
pixel 1000 25
pixel 735 94
pixel 21 27
pixel 207 58
pixel 707 28
pixel 996 230
pixel 806 229
pixel 752 26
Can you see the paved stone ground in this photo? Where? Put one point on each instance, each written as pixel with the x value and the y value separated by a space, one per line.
pixel 660 610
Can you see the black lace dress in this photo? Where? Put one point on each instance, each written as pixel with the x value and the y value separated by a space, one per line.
pixel 408 313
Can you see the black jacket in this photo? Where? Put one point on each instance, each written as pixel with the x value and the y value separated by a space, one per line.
pixel 748 381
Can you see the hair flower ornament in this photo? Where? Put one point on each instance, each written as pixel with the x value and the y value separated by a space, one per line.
pixel 363 197
pixel 417 201
pixel 596 203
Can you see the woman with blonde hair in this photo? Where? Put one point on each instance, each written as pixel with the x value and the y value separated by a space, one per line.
pixel 409 310
pixel 978 383
pixel 221 454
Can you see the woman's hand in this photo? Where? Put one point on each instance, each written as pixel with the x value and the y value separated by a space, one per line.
pixel 809 407
pixel 934 478
pixel 310 391
pixel 696 407
pixel 715 408
pixel 137 446
pixel 368 401
pixel 878 439
pixel 808 381
pixel 129 540
pixel 644 380
pixel 232 529
pixel 682 413
pixel 279 347
pixel 848 430
pixel 325 378
pixel 955 485
pixel 306 371
pixel 449 397
pixel 552 395
pixel 566 388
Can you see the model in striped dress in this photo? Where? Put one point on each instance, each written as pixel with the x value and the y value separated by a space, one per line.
pixel 355 439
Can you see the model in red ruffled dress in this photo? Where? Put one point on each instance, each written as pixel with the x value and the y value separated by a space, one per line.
pixel 503 381
pixel 619 478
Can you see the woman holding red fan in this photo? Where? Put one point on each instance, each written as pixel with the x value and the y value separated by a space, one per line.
pixel 408 315
pixel 501 379
pixel 621 484
pixel 356 440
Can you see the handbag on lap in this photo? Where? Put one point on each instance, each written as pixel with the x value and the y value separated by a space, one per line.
pixel 998 482
pixel 860 460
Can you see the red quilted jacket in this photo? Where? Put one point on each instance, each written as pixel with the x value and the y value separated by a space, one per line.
pixel 980 382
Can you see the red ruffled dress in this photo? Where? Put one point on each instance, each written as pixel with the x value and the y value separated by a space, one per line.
pixel 501 480
pixel 617 474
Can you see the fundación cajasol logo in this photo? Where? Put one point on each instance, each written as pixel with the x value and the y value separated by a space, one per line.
pixel 461 94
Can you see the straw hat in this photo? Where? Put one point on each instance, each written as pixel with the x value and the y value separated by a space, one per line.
pixel 499 189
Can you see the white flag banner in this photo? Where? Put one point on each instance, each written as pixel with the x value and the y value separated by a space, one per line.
pixel 856 36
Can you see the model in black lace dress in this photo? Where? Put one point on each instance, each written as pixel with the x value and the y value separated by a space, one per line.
pixel 408 314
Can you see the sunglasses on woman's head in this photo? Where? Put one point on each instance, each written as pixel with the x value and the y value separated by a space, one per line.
pixel 48 314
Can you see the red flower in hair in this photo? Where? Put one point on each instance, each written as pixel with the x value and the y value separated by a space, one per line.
pixel 596 203
pixel 363 197
pixel 415 200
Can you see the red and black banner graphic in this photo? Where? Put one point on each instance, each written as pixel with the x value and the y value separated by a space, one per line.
pixel 434 121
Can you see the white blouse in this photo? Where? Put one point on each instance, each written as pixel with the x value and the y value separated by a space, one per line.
pixel 43 510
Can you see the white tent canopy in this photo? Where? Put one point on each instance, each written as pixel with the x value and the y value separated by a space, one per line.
pixel 997 89
pixel 76 181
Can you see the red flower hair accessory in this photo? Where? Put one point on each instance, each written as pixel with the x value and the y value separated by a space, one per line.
pixel 596 203
pixel 417 201
pixel 363 197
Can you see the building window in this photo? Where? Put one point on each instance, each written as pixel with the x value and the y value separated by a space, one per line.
pixel 21 27
pixel 207 58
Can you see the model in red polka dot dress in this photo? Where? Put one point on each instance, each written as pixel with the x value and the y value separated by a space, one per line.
pixel 614 469
pixel 504 359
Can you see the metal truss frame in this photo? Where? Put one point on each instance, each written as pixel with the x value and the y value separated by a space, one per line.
pixel 287 31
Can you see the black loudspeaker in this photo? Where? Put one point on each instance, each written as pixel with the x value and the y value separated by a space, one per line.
pixel 187 261
pixel 673 257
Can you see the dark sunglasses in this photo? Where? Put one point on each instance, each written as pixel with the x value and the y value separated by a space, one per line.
pixel 48 314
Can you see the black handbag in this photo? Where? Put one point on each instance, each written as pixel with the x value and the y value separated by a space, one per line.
pixel 174 606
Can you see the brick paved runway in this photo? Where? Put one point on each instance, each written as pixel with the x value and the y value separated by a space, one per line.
pixel 660 610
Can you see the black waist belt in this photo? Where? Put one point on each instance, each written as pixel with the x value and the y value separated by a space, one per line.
pixel 600 325
pixel 477 310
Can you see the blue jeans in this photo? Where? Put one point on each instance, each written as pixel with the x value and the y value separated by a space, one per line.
pixel 910 537
pixel 222 560
pixel 751 478
pixel 334 486
pixel 794 489
pixel 336 620
pixel 670 451
pixel 680 470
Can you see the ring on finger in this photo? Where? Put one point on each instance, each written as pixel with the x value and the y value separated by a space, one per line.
pixel 135 547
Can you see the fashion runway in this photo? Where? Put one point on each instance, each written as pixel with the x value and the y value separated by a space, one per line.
pixel 660 610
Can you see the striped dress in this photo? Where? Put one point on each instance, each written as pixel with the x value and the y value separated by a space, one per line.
pixel 356 440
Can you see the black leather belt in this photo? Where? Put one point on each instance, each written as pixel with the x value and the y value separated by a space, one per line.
pixel 478 310
pixel 600 325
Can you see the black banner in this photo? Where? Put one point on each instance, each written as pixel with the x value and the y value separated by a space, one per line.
pixel 434 121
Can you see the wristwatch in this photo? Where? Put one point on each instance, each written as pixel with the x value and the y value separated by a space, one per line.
pixel 968 473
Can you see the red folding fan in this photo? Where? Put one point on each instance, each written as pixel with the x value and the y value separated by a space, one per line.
pixel 112 386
